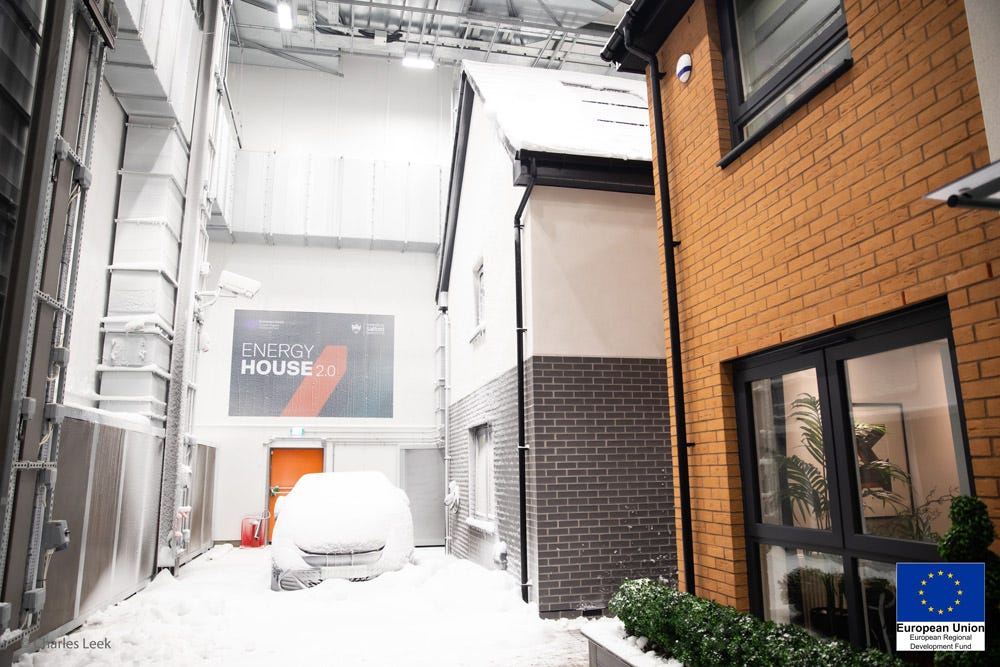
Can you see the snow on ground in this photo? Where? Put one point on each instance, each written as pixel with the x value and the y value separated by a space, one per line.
pixel 439 612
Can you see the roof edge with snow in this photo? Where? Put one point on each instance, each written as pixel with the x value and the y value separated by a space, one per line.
pixel 551 167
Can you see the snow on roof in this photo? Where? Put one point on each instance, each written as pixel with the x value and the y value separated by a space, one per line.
pixel 553 111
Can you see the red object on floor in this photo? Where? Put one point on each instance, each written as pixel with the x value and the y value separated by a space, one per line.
pixel 254 531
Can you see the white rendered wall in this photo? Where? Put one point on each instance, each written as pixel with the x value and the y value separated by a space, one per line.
pixel 317 280
pixel 95 252
pixel 485 233
pixel 379 110
pixel 594 274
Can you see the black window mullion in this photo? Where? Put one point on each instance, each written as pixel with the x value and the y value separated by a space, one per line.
pixel 855 601
pixel 840 448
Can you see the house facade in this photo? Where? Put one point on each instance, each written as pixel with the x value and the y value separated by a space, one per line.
pixel 838 331
pixel 597 500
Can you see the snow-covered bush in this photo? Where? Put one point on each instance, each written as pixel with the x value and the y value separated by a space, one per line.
pixel 703 633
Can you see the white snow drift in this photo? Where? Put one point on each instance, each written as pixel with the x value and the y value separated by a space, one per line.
pixel 439 612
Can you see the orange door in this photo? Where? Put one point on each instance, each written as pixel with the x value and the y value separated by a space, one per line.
pixel 287 466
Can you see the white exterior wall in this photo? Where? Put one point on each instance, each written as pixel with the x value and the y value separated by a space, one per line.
pixel 485 232
pixel 317 280
pixel 594 265
pixel 378 111
pixel 95 252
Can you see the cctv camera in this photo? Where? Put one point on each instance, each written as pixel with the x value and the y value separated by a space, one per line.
pixel 237 284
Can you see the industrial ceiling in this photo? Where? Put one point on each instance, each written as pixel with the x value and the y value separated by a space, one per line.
pixel 553 34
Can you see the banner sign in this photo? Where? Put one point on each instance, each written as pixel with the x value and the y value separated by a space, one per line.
pixel 291 364
pixel 940 607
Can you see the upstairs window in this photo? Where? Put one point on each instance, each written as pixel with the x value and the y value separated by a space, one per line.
pixel 778 54
pixel 480 296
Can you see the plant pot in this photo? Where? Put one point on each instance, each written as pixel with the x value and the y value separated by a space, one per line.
pixel 831 622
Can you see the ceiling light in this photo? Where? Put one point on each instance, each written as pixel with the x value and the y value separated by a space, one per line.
pixel 284 16
pixel 417 62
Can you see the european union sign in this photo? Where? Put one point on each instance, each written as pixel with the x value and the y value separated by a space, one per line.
pixel 940 606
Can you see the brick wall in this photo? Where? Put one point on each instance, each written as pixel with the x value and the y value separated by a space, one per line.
pixel 599 495
pixel 495 403
pixel 602 477
pixel 821 223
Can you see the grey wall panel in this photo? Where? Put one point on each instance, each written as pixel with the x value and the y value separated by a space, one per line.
pixel 209 497
pixel 151 508
pixel 197 499
pixel 423 481
pixel 132 528
pixel 70 492
pixel 98 566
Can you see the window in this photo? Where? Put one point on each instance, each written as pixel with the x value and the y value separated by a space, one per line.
pixel 482 489
pixel 479 299
pixel 851 447
pixel 777 54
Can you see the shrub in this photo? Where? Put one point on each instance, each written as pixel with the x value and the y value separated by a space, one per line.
pixel 703 633
pixel 968 541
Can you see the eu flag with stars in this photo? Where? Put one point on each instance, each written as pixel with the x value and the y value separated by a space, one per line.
pixel 940 592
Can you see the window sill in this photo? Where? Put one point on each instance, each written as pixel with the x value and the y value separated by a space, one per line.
pixel 745 145
pixel 484 526
pixel 477 334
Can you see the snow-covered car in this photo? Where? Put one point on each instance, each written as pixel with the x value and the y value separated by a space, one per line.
pixel 340 525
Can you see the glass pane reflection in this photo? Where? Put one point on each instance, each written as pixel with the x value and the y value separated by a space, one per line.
pixel 791 462
pixel 878 590
pixel 907 440
pixel 805 588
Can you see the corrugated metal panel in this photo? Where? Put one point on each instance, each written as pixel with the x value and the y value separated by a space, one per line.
pixel 209 497
pixel 71 486
pixel 197 497
pixel 423 481
pixel 102 525
pixel 134 525
pixel 150 507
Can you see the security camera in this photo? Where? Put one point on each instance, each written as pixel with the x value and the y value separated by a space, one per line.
pixel 237 284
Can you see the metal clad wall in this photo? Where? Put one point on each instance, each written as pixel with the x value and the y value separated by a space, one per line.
pixel 134 523
pixel 209 496
pixel 102 524
pixel 71 487
pixel 197 498
pixel 202 487
pixel 108 492
pixel 423 481
pixel 150 506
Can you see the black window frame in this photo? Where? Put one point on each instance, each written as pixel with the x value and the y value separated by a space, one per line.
pixel 742 111
pixel 827 354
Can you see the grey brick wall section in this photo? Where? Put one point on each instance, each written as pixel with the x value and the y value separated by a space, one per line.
pixel 599 492
pixel 495 403
pixel 602 468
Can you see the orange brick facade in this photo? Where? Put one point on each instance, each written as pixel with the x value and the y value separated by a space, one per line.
pixel 822 223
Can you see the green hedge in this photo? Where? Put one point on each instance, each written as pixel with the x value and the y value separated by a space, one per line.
pixel 703 633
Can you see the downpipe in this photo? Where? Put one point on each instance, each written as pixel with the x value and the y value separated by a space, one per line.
pixel 446 400
pixel 522 447
pixel 673 317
